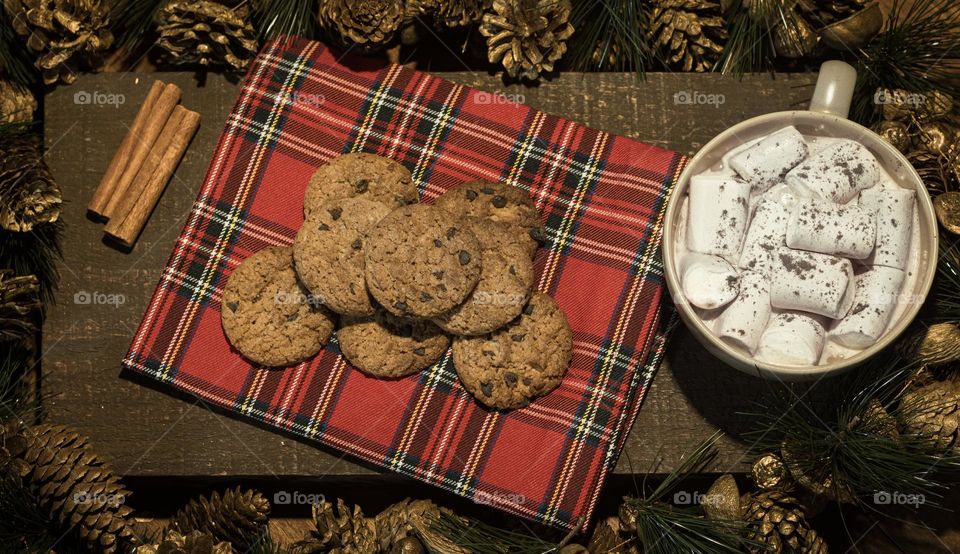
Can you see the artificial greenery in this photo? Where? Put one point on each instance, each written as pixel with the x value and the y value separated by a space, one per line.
pixel 918 50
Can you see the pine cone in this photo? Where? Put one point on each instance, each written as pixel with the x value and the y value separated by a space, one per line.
pixel 65 34
pixel 776 519
pixel 452 13
pixel 18 300
pixel 17 103
pixel 77 490
pixel 206 33
pixel 527 36
pixel 820 13
pixel 194 542
pixel 339 531
pixel 932 413
pixel 28 194
pixel 688 35
pixel 370 24
pixel 237 517
pixel 414 518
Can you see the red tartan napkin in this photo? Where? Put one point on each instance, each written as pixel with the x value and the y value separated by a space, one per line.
pixel 601 197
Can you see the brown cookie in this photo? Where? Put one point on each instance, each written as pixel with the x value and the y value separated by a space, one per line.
pixel 522 361
pixel 361 175
pixel 384 345
pixel 268 315
pixel 328 253
pixel 504 204
pixel 506 279
pixel 421 262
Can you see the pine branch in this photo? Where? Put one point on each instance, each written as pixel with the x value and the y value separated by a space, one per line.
pixel 290 18
pixel 37 252
pixel 23 527
pixel 481 538
pixel 749 47
pixel 918 50
pixel 15 61
pixel 946 286
pixel 609 36
pixel 133 23
pixel 15 401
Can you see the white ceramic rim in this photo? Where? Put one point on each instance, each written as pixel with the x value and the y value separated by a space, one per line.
pixel 785 372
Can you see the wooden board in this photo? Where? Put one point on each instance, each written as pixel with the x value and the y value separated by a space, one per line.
pixel 104 291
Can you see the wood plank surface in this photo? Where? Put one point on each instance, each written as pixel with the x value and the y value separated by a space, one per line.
pixel 104 291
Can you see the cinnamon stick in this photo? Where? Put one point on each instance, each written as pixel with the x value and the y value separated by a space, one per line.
pixel 137 206
pixel 112 175
pixel 143 143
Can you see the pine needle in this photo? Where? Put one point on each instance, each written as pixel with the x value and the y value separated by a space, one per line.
pixel 285 18
pixel 15 401
pixel 37 252
pixel 609 29
pixel 749 47
pixel 23 527
pixel 946 285
pixel 133 23
pixel 14 59
pixel 481 538
pixel 918 50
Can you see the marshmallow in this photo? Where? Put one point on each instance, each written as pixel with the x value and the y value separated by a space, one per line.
pixel 791 338
pixel 766 234
pixel 878 289
pixel 894 212
pixel 708 281
pixel 767 161
pixel 837 172
pixel 718 214
pixel 828 228
pixel 742 323
pixel 811 282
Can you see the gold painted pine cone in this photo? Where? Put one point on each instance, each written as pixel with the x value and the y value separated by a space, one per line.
pixel 932 413
pixel 238 516
pixel 194 542
pixel 29 195
pixel 17 103
pixel 451 13
pixel 206 33
pixel 687 35
pixel 777 520
pixel 65 34
pixel 370 24
pixel 527 37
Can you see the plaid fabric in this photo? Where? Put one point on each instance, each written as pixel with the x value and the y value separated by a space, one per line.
pixel 601 197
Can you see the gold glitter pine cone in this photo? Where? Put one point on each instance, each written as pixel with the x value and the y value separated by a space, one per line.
pixel 527 37
pixel 687 35
pixel 194 542
pixel 206 33
pixel 238 516
pixel 777 520
pixel 75 489
pixel 339 530
pixel 65 34
pixel 932 413
pixel 370 24
pixel 29 195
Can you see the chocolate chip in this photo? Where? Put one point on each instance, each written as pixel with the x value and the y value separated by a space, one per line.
pixel 335 213
pixel 487 389
pixel 233 306
pixel 293 316
pixel 513 270
pixel 527 380
pixel 537 234
pixel 438 274
pixel 437 242
pixel 323 227
pixel 400 201
pixel 357 244
pixel 451 232
pixel 499 201
pixel 362 186
pixel 489 353
pixel 516 338
pixel 419 351
pixel 471 195
pixel 510 377
pixel 528 309
pixel 464 257
pixel 487 190
pixel 405 330
pixel 442 287
pixel 400 305
pixel 425 297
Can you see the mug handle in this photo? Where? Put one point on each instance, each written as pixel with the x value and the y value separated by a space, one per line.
pixel 834 90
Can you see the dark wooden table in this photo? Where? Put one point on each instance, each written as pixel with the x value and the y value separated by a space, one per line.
pixel 146 432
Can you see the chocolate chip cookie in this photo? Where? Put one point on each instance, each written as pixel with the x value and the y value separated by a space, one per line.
pixel 360 175
pixel 268 316
pixel 506 278
pixel 328 253
pixel 498 202
pixel 522 361
pixel 421 261
pixel 384 345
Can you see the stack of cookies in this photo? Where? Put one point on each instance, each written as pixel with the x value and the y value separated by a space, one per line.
pixel 405 280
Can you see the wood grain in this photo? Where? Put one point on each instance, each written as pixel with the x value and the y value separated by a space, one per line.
pixel 148 432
